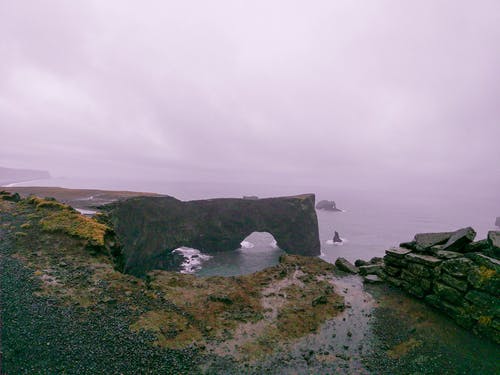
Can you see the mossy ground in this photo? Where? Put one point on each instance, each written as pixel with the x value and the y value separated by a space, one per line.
pixel 258 312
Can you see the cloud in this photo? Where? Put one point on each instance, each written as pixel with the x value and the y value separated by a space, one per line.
pixel 278 89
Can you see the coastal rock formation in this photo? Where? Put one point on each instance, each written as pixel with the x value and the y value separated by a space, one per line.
pixel 327 205
pixel 336 237
pixel 346 266
pixel 151 227
pixel 463 283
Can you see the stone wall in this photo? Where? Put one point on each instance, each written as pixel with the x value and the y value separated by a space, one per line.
pixel 453 274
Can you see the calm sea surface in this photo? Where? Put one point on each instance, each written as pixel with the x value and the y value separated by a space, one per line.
pixel 373 221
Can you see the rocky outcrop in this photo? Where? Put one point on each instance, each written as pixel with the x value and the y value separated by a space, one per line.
pixel 336 237
pixel 327 206
pixel 151 227
pixel 453 274
pixel 346 266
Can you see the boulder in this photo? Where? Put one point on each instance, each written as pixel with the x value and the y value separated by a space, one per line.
pixel 327 205
pixel 459 239
pixel 371 269
pixel 346 266
pixel 372 279
pixel 408 245
pixel 427 240
pixel 360 262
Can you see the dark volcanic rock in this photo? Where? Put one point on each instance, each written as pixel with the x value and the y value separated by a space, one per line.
pixel 426 240
pixel 477 246
pixel 346 266
pixel 459 239
pixel 327 205
pixel 408 245
pixel 360 262
pixel 151 227
pixel 336 237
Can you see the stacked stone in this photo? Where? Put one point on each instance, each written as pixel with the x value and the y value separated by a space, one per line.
pixel 453 274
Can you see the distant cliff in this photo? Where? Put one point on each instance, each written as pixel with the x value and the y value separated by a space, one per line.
pixel 151 227
pixel 11 175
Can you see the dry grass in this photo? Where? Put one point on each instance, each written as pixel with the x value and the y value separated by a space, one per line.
pixel 58 217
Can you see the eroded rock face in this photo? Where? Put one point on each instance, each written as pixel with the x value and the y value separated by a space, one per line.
pixel 327 205
pixel 151 227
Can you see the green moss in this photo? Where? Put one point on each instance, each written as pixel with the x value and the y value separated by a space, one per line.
pixel 171 329
pixel 486 273
pixel 76 225
pixel 485 320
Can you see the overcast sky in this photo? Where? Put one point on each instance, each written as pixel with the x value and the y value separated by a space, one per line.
pixel 252 90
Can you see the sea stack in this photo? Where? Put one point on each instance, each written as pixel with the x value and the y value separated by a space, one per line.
pixel 327 205
pixel 336 237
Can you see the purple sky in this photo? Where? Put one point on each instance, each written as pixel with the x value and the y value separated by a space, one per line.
pixel 252 90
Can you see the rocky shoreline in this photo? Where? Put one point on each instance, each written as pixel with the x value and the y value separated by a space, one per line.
pixel 66 308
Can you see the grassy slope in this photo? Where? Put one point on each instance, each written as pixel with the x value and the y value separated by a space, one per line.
pixel 65 308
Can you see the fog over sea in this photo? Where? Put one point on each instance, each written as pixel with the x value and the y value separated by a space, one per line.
pixel 374 219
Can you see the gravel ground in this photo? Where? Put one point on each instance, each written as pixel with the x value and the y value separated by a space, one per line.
pixel 40 337
pixel 409 337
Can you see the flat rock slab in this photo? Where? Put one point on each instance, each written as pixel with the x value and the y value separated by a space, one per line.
pixel 443 254
pixel 346 266
pixel 459 239
pixel 427 240
pixel 372 279
pixel 427 260
pixel 397 252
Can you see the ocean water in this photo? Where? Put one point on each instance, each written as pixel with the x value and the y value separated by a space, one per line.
pixel 372 221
